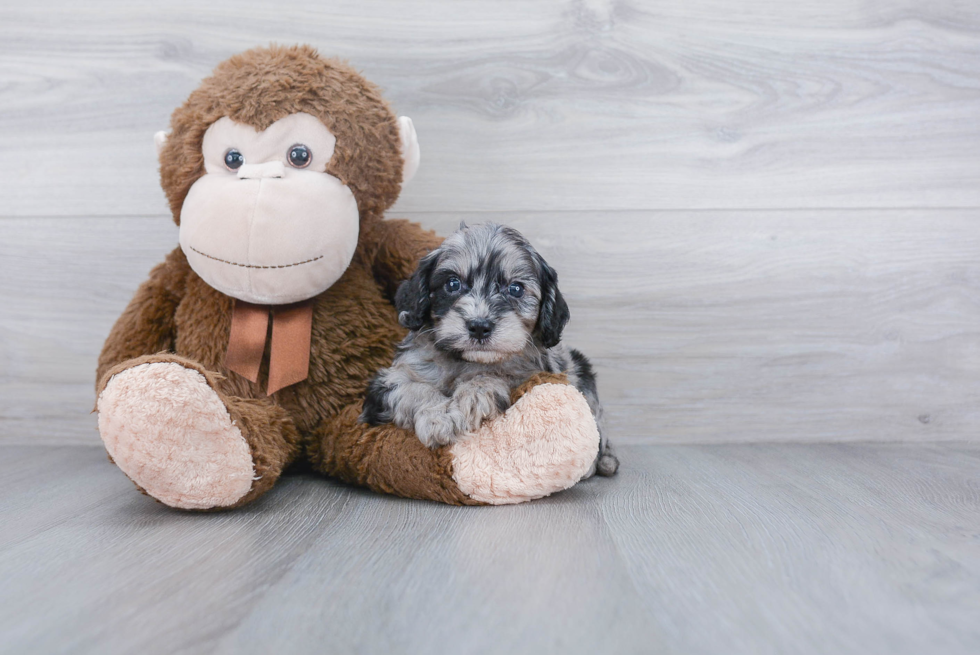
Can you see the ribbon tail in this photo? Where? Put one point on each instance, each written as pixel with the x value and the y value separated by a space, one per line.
pixel 246 342
pixel 290 359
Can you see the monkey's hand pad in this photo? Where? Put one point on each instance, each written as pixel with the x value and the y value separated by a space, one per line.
pixel 170 433
pixel 544 443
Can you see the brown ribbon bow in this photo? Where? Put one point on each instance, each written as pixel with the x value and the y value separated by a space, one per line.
pixel 289 356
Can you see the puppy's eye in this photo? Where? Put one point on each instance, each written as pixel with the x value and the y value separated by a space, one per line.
pixel 516 289
pixel 234 159
pixel 300 156
pixel 453 285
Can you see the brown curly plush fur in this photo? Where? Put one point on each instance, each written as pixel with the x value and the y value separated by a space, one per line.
pixel 261 86
pixel 176 317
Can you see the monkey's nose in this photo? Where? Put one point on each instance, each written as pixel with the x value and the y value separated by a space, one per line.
pixel 259 171
pixel 479 328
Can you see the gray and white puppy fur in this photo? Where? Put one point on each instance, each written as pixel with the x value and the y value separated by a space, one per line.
pixel 485 314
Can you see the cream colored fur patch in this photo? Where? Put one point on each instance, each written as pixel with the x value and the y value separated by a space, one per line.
pixel 268 232
pixel 544 443
pixel 171 434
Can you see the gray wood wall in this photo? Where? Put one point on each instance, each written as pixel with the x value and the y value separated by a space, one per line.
pixel 765 215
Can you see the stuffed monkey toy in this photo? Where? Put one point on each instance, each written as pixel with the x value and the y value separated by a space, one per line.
pixel 251 346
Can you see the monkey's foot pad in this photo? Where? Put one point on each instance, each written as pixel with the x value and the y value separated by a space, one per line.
pixel 544 443
pixel 171 434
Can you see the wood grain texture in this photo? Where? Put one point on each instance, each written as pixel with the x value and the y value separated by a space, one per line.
pixel 691 549
pixel 765 222
pixel 704 326
pixel 565 105
pixel 65 282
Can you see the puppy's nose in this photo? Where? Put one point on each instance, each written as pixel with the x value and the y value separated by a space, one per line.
pixel 479 328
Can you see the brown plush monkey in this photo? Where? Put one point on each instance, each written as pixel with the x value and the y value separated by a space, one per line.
pixel 251 346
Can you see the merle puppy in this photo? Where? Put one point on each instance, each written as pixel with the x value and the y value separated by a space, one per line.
pixel 485 315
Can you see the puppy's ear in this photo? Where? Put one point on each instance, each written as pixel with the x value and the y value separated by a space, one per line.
pixel 412 300
pixel 553 313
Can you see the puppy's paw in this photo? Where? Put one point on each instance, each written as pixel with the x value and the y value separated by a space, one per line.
pixel 435 426
pixel 480 399
pixel 607 465
pixel 606 462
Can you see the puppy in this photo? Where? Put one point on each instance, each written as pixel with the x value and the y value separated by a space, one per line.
pixel 485 315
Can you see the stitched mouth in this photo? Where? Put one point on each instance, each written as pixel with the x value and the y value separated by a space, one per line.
pixel 225 261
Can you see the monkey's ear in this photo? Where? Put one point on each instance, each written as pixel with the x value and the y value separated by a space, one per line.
pixel 160 140
pixel 553 313
pixel 412 301
pixel 409 142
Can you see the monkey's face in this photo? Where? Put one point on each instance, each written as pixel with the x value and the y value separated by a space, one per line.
pixel 266 224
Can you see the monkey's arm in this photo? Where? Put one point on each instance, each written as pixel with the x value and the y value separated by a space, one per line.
pixel 146 326
pixel 399 246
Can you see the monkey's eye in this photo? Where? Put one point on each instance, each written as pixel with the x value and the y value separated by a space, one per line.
pixel 453 285
pixel 300 156
pixel 516 289
pixel 234 159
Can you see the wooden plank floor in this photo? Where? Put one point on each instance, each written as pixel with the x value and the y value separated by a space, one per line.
pixel 792 548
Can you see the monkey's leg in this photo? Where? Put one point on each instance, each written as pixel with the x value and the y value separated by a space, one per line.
pixel 184 442
pixel 385 458
pixel 544 443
